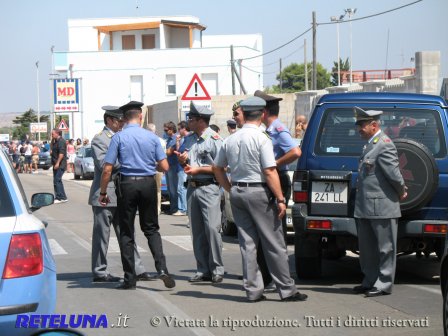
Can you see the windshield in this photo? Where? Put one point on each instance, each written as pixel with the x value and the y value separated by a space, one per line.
pixel 338 135
pixel 88 152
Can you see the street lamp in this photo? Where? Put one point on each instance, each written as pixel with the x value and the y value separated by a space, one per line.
pixel 350 12
pixel 337 20
pixel 38 101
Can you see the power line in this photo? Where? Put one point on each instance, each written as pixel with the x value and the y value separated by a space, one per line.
pixel 327 23
pixel 283 45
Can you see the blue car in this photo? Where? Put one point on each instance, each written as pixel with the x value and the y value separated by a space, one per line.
pixel 28 282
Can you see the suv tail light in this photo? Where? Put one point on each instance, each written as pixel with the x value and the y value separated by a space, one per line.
pixel 24 256
pixel 300 186
pixel 319 224
pixel 435 228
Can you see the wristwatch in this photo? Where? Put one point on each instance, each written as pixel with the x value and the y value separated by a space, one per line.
pixel 103 193
pixel 281 201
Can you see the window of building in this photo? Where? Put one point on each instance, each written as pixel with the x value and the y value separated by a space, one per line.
pixel 128 42
pixel 170 84
pixel 148 41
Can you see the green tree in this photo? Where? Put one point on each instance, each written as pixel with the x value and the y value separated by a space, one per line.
pixel 343 66
pixel 23 123
pixel 293 78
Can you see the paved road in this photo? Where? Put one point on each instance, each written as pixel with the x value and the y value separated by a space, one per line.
pixel 204 309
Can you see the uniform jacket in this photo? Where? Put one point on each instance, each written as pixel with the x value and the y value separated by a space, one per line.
pixel 380 182
pixel 100 144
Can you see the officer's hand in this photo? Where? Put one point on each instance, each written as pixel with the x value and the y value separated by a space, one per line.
pixel 281 210
pixel 405 194
pixel 104 200
pixel 189 170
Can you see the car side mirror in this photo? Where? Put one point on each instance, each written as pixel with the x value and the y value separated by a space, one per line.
pixel 40 200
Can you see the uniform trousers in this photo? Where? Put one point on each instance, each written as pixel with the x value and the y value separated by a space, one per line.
pixel 205 221
pixel 285 183
pixel 377 252
pixel 139 194
pixel 103 218
pixel 256 217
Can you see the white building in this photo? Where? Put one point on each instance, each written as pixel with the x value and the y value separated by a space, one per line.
pixel 150 59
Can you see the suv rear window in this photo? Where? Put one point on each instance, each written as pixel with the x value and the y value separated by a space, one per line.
pixel 338 135
pixel 6 206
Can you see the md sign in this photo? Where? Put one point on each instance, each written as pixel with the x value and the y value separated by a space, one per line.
pixel 66 95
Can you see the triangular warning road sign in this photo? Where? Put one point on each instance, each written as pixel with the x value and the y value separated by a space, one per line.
pixel 63 125
pixel 196 90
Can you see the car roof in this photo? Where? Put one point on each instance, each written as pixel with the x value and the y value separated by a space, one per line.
pixel 385 97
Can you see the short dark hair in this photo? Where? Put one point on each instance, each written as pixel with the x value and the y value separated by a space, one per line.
pixel 171 126
pixel 132 113
pixel 215 128
pixel 252 115
pixel 183 124
pixel 58 131
pixel 273 108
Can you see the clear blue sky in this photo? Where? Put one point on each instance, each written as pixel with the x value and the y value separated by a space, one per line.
pixel 29 29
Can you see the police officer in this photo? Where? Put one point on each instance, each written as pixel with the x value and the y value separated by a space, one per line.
pixel 257 203
pixel 231 126
pixel 285 149
pixel 105 216
pixel 140 154
pixel 203 197
pixel 380 187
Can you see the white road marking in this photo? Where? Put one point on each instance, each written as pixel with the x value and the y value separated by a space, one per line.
pixel 184 242
pixel 56 249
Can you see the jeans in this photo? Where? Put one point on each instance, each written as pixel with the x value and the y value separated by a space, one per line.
pixel 181 191
pixel 171 181
pixel 59 192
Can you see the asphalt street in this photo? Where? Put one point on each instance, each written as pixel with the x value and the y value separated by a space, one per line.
pixel 415 308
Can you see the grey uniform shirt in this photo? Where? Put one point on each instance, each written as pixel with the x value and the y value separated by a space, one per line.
pixel 202 150
pixel 247 152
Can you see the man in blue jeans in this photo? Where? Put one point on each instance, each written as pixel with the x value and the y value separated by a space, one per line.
pixel 59 162
pixel 183 131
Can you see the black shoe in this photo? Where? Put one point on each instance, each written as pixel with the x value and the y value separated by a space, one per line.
pixel 125 285
pixel 167 279
pixel 296 297
pixel 361 289
pixel 261 298
pixel 200 278
pixel 376 292
pixel 107 278
pixel 217 278
pixel 145 276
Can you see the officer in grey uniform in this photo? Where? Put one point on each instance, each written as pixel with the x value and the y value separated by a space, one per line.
pixel 105 216
pixel 380 187
pixel 196 155
pixel 257 203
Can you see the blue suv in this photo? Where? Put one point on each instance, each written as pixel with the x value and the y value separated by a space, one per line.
pixel 324 182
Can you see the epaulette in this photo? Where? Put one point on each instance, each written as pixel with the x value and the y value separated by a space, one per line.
pixel 387 140
pixel 267 135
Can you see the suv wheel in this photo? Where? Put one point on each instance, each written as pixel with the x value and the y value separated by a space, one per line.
pixel 308 256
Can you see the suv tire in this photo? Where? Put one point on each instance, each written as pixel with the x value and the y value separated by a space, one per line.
pixel 419 170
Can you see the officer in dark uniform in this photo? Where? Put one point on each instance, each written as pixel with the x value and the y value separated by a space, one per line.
pixel 196 155
pixel 380 187
pixel 106 216
pixel 140 154
pixel 257 203
pixel 285 149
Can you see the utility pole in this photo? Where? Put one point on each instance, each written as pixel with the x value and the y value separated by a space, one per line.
pixel 314 78
pixel 305 64
pixel 280 77
pixel 232 69
pixel 38 101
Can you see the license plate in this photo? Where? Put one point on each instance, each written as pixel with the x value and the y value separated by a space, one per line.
pixel 329 192
pixel 42 162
